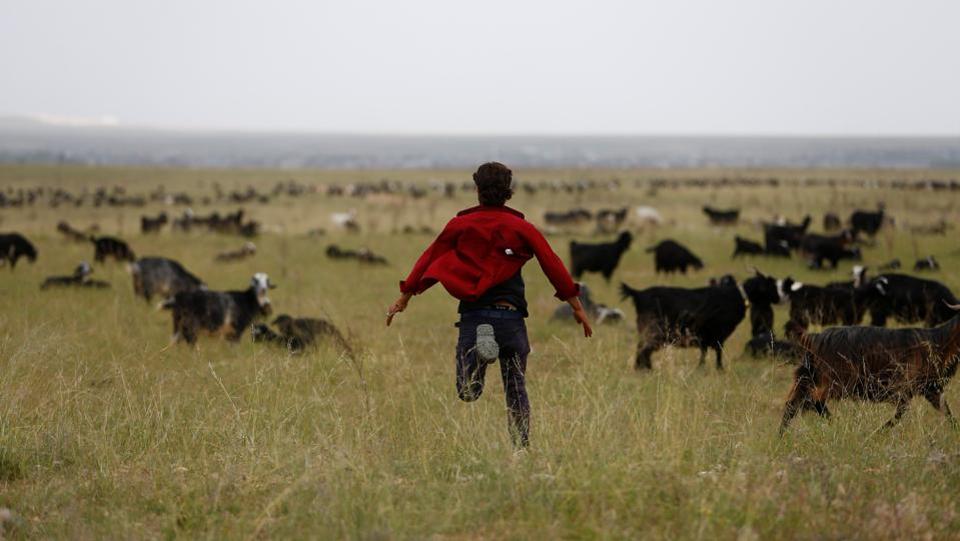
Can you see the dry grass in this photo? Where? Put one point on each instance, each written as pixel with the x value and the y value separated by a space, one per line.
pixel 104 433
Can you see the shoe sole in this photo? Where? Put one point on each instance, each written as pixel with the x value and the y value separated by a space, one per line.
pixel 487 348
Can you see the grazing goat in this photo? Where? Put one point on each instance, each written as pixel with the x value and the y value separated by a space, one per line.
pixel 829 305
pixel 363 255
pixel 744 246
pixel 104 247
pixel 72 233
pixel 722 217
pixel 153 225
pixel 602 258
pixel 928 263
pixel 600 313
pixel 908 300
pixel 573 216
pixel 670 256
pixel 13 246
pixel 820 248
pixel 866 221
pixel 609 220
pixel 226 313
pixel 297 334
pixel 762 292
pixel 247 250
pixel 161 276
pixel 703 317
pixel 893 264
pixel 775 235
pixel 874 364
pixel 79 278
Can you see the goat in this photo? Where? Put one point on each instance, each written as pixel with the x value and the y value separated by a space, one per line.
pixel 153 225
pixel 247 250
pixel 297 334
pixel 875 364
pixel 722 217
pixel 104 247
pixel 79 278
pixel 907 299
pixel 821 305
pixel 72 233
pixel 818 248
pixel 226 313
pixel 363 255
pixel 703 317
pixel 600 313
pixel 602 258
pixel 775 235
pixel 928 263
pixel 13 246
pixel 744 246
pixel 573 216
pixel 670 256
pixel 161 276
pixel 609 220
pixel 866 221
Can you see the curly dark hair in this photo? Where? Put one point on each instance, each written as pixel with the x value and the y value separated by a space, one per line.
pixel 494 184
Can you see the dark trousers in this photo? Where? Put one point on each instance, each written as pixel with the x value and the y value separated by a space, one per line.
pixel 510 332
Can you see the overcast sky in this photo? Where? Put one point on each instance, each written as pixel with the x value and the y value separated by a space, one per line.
pixel 870 67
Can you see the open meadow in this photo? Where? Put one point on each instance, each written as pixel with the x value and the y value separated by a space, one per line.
pixel 109 431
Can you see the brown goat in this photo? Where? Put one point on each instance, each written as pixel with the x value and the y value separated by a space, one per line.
pixel 876 364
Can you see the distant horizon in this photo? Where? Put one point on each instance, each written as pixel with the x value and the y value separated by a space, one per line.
pixel 114 123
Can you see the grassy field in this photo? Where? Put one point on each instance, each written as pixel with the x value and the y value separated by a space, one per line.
pixel 105 432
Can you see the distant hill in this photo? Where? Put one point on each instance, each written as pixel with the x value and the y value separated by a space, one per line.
pixel 26 140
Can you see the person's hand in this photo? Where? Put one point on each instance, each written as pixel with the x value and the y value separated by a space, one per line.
pixel 398 306
pixel 581 316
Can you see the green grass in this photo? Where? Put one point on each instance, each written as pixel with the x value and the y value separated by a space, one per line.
pixel 105 432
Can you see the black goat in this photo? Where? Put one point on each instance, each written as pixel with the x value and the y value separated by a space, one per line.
pixel 104 247
pixel 776 235
pixel 866 221
pixel 908 300
pixel 13 246
pixel 670 256
pixel 744 246
pixel 153 225
pixel 820 248
pixel 602 258
pixel 822 305
pixel 703 317
pixel 722 217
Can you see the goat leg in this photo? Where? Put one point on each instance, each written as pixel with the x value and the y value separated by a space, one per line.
pixel 719 351
pixel 939 403
pixel 902 404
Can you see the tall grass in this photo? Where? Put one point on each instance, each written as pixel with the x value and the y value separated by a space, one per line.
pixel 105 432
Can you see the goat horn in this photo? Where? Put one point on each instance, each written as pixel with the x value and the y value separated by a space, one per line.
pixel 952 306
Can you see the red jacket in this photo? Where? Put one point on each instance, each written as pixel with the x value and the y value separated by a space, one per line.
pixel 482 247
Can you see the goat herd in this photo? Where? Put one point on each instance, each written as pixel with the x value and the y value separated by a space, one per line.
pixel 868 363
pixel 863 362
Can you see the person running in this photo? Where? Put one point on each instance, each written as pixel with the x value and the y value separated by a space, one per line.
pixel 477 258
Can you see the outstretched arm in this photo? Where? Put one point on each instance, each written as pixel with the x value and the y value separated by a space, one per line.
pixel 556 272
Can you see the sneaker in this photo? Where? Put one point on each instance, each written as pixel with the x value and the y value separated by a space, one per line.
pixel 487 348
